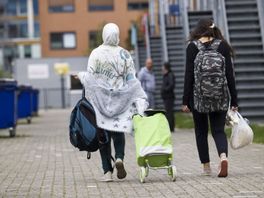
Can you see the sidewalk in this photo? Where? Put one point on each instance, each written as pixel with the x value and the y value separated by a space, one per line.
pixel 41 162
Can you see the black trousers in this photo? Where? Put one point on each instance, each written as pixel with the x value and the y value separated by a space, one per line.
pixel 217 125
pixel 169 104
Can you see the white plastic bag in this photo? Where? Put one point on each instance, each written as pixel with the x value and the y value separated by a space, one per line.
pixel 231 118
pixel 242 134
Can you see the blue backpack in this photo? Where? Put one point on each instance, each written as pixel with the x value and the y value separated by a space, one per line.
pixel 84 133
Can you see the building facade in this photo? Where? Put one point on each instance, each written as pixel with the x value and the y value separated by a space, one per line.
pixel 19 31
pixel 69 27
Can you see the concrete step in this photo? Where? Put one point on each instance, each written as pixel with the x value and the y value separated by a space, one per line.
pixel 245 36
pixel 248 52
pixel 175 28
pixel 243 27
pixel 175 33
pixel 175 42
pixel 248 79
pixel 250 87
pixel 251 96
pixel 242 11
pixel 246 43
pixel 251 104
pixel 177 59
pixel 175 36
pixel 199 13
pixel 242 18
pixel 177 47
pixel 243 23
pixel 253 114
pixel 239 3
pixel 249 69
pixel 248 60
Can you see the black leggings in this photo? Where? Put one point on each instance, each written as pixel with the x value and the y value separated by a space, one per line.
pixel 217 124
pixel 169 108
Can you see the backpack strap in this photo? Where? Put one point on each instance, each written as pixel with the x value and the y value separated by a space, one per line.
pixel 199 45
pixel 215 44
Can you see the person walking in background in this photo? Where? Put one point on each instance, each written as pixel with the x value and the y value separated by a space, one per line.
pixel 167 93
pixel 147 79
pixel 115 94
pixel 209 76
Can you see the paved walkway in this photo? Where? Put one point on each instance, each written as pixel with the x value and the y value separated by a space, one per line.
pixel 41 162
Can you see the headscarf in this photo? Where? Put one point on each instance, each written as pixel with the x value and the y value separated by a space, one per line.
pixel 111 34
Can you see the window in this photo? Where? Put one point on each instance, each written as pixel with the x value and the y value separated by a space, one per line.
pixel 17 29
pixel 13 31
pixel 100 5
pixel 10 53
pixel 16 7
pixel 11 7
pixel 23 7
pixel 2 30
pixel 61 5
pixel 93 39
pixel 23 30
pixel 35 7
pixel 137 4
pixel 65 40
pixel 36 28
pixel 2 7
pixel 27 51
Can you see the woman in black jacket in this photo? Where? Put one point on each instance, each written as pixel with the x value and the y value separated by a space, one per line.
pixel 204 36
pixel 167 93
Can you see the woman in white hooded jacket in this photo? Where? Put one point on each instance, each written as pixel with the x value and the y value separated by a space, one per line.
pixel 116 95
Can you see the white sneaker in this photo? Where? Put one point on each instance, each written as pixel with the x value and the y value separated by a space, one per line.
pixel 207 171
pixel 121 172
pixel 223 168
pixel 107 177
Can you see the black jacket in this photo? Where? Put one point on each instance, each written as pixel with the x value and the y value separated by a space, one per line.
pixel 168 83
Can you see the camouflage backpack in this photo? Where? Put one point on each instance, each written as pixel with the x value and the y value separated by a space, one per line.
pixel 210 83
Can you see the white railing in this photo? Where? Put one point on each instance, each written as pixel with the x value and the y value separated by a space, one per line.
pixel 224 25
pixel 163 31
pixel 185 18
pixel 134 42
pixel 260 6
pixel 147 36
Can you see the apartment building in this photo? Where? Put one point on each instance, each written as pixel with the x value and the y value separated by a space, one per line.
pixel 68 27
pixel 19 31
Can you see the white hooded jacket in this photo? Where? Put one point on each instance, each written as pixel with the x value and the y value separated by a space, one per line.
pixel 110 84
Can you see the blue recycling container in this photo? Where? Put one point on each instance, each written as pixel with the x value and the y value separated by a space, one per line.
pixel 8 104
pixel 35 101
pixel 24 103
